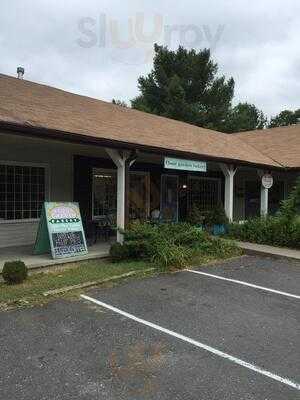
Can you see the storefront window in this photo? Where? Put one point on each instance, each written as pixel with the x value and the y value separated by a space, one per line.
pixel 169 198
pixel 203 192
pixel 105 193
pixel 22 191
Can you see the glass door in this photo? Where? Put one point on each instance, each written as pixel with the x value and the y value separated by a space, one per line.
pixel 252 197
pixel 104 193
pixel 139 195
pixel 204 193
pixel 169 198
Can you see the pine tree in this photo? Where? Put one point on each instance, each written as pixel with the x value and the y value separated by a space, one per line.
pixel 184 85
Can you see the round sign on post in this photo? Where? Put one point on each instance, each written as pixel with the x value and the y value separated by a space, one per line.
pixel 267 181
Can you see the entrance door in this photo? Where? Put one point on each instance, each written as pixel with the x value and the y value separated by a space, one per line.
pixel 139 195
pixel 169 198
pixel 252 197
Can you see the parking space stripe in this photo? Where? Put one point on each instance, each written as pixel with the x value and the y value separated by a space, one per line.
pixel 295 296
pixel 200 345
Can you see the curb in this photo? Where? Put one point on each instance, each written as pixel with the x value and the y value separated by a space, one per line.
pixel 252 252
pixel 66 289
pixel 266 253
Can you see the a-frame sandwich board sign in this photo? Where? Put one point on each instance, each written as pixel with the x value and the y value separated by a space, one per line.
pixel 61 231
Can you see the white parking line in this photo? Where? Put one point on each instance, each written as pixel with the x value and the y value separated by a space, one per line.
pixel 295 296
pixel 203 346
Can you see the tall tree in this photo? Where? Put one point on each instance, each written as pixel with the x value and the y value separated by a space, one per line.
pixel 285 118
pixel 184 85
pixel 244 117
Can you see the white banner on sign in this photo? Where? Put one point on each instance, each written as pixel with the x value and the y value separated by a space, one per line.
pixel 185 165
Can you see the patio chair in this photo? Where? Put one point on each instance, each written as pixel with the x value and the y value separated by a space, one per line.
pixel 106 226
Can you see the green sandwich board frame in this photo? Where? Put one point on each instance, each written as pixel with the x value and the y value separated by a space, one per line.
pixel 61 231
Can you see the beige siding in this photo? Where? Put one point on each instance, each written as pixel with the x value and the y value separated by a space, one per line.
pixel 58 157
pixel 17 234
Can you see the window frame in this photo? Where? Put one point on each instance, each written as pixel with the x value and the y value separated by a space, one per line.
pixel 207 178
pixel 46 168
pixel 177 195
pixel 115 171
pixel 145 174
pixel 103 170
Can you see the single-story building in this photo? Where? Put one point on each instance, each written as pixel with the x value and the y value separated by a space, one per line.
pixel 119 163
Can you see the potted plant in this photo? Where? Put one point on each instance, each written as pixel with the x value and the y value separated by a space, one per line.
pixel 216 220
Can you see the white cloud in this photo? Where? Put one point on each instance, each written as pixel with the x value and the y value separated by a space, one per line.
pixel 258 47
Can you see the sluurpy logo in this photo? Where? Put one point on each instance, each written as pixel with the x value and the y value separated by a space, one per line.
pixel 132 42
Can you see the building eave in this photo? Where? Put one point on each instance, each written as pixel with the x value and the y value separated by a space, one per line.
pixel 70 137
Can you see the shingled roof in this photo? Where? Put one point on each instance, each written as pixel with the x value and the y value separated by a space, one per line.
pixel 282 144
pixel 41 108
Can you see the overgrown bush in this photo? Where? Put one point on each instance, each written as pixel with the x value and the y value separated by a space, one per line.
pixel 195 216
pixel 166 253
pixel 275 231
pixel 290 208
pixel 167 244
pixel 215 247
pixel 216 216
pixel 14 272
pixel 280 230
pixel 118 252
pixel 133 249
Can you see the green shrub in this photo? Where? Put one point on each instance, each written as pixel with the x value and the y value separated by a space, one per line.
pixel 282 229
pixel 14 272
pixel 166 244
pixel 190 237
pixel 139 231
pixel 118 252
pixel 169 244
pixel 290 208
pixel 195 216
pixel 166 254
pixel 223 248
pixel 275 231
pixel 216 216
pixel 136 249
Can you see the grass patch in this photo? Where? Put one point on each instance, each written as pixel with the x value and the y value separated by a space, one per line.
pixel 222 249
pixel 31 291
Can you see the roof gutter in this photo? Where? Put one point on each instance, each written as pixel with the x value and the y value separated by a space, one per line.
pixel 70 137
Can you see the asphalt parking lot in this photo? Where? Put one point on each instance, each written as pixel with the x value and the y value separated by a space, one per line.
pixel 178 336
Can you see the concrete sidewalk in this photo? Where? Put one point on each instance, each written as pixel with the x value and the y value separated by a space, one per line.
pixel 262 249
pixel 25 253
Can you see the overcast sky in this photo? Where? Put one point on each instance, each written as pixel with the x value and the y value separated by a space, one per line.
pixel 99 48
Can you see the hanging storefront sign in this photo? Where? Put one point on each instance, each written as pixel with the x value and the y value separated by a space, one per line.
pixel 60 231
pixel 185 165
pixel 267 181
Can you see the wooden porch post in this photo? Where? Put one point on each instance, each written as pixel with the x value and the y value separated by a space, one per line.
pixel 123 161
pixel 229 172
